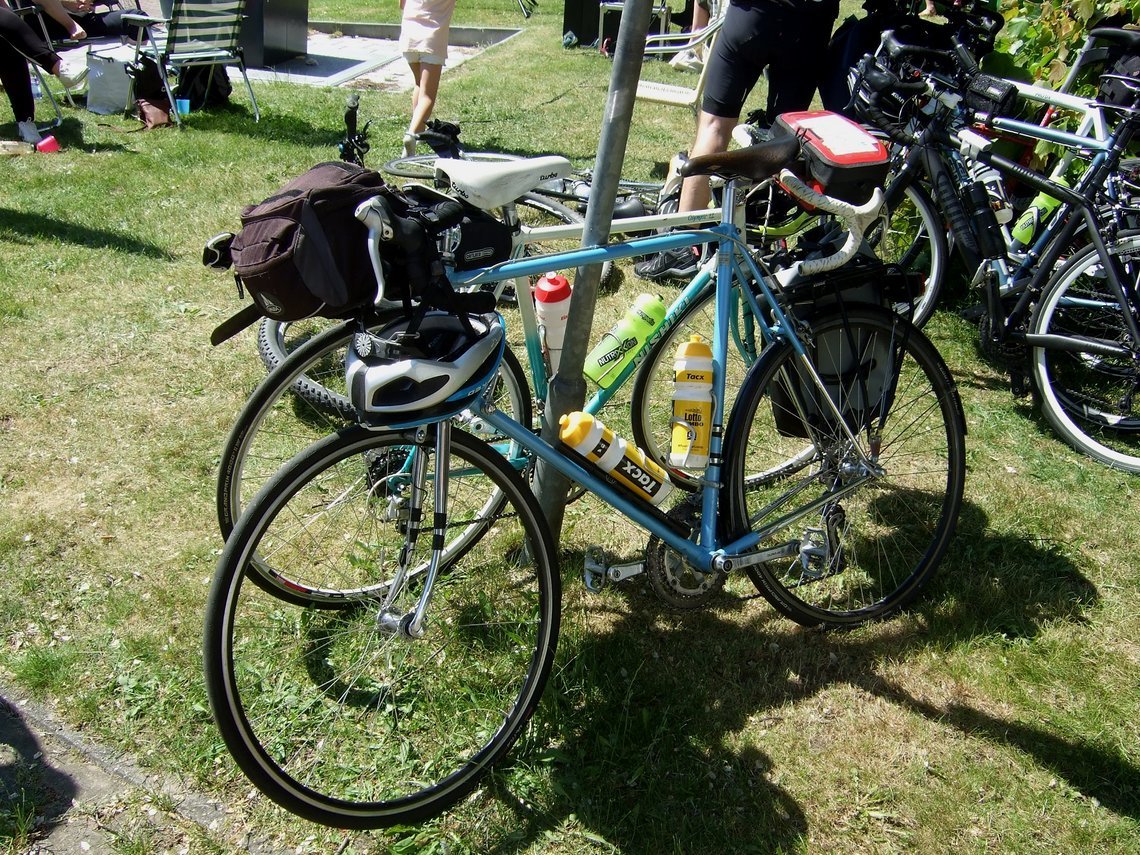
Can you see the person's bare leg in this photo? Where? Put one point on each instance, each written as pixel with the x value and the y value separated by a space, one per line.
pixel 423 99
pixel 713 135
pixel 55 11
pixel 700 18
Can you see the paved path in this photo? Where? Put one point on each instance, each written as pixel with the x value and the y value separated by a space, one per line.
pixel 83 794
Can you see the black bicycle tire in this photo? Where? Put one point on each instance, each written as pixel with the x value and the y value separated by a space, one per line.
pixel 272 349
pixel 552 207
pixel 939 255
pixel 1073 414
pixel 654 374
pixel 233 707
pixel 905 505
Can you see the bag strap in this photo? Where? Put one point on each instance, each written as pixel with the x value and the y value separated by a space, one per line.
pixel 230 327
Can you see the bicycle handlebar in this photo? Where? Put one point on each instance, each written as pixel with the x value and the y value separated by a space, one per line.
pixel 857 219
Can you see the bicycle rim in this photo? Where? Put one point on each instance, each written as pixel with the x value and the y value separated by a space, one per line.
pixel 1090 398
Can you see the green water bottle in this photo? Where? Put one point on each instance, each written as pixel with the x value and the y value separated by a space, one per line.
pixel 1038 212
pixel 618 347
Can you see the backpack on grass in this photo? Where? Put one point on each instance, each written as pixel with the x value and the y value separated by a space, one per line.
pixel 204 86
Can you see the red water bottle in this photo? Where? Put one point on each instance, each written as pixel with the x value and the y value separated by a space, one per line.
pixel 552 305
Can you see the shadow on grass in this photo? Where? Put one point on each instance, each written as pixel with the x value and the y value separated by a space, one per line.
pixel 34 795
pixel 1096 771
pixel 652 729
pixel 24 223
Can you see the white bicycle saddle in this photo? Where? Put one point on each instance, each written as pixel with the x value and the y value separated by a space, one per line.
pixel 492 184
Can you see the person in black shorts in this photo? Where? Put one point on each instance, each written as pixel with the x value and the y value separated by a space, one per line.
pixel 786 37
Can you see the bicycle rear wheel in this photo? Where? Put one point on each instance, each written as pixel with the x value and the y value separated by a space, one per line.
pixel 335 714
pixel 1090 398
pixel 859 545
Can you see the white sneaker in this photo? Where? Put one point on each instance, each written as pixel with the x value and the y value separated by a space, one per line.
pixel 70 78
pixel 29 133
pixel 409 145
pixel 687 60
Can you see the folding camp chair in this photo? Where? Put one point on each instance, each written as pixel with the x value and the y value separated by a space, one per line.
pixel 670 43
pixel 198 32
pixel 34 18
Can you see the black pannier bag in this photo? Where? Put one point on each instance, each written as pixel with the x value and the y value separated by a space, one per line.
pixel 302 252
pixel 476 240
pixel 855 371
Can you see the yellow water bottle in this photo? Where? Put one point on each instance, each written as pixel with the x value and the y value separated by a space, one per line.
pixel 692 404
pixel 626 463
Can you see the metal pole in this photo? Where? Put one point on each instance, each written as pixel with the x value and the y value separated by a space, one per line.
pixel 567 389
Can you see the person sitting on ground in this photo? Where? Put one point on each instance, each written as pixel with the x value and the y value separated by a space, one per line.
pixel 20 44
pixel 425 26
pixel 789 38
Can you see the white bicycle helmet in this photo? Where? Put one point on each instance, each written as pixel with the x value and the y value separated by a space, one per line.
pixel 432 373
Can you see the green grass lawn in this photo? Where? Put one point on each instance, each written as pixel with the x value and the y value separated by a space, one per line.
pixel 1001 714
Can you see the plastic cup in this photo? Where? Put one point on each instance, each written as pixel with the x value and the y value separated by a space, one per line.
pixel 48 144
pixel 183 106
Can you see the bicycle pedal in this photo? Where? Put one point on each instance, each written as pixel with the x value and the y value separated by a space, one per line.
pixel 1019 384
pixel 594 570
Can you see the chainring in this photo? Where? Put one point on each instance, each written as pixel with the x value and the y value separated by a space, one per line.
pixel 671 578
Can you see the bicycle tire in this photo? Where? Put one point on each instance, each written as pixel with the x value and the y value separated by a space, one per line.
pixel 277 339
pixel 350 725
pixel 534 209
pixel 421 167
pixel 916 243
pixel 878 544
pixel 651 410
pixel 1089 399
pixel 274 425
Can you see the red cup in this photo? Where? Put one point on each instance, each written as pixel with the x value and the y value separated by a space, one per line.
pixel 48 144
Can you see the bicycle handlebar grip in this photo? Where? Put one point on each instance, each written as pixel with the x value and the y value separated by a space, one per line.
pixel 856 217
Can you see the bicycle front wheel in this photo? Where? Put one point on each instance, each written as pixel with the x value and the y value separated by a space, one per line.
pixel 856 541
pixel 652 405
pixel 1089 398
pixel 339 715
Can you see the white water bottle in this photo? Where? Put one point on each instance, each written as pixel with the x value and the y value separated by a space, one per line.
pixel 692 404
pixel 552 305
pixel 627 463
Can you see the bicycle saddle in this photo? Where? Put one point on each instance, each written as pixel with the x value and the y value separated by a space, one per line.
pixel 756 163
pixel 492 184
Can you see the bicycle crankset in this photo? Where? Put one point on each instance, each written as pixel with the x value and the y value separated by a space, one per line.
pixel 677 583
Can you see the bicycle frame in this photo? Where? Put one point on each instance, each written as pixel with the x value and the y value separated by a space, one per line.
pixel 734 264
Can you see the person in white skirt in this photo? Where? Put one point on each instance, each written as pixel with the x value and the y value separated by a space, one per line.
pixel 424 29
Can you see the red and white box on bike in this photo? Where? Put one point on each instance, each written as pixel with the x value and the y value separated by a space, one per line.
pixel 846 161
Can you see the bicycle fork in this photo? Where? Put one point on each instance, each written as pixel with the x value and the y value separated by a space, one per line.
pixel 393 620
